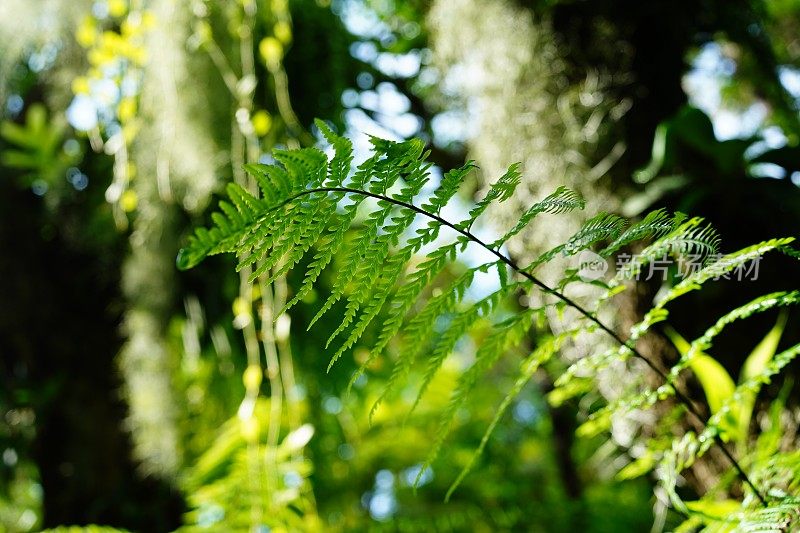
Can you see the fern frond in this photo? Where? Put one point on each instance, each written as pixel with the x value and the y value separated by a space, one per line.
pixel 451 182
pixel 790 251
pixel 309 202
pixel 382 289
pixel 649 397
pixel 659 313
pixel 329 244
pixel 751 386
pixel 314 216
pixel 373 262
pixel 723 266
pixel 689 238
pixel 229 228
pixel 777 517
pixel 504 335
pixel 386 173
pixel 421 326
pixel 500 191
pixel 527 369
pixel 759 305
pixel 562 200
pixel 436 261
pixel 459 325
pixel 318 216
pixel 655 224
pixel 406 296
pixel 339 166
pixel 599 228
pixel 682 454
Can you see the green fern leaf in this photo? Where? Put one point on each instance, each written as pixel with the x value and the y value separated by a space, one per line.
pixel 421 327
pixel 527 369
pixel 308 202
pixel 562 200
pixel 688 238
pixel 506 334
pixel 303 230
pixel 374 258
pixel 329 244
pixel 777 517
pixel 500 191
pixel 758 305
pixel 723 266
pixel 407 295
pixel 458 327
pixel 655 224
pixel 598 228
pixel 386 174
pixel 451 182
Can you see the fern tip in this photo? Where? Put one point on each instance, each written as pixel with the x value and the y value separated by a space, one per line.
pixel 186 260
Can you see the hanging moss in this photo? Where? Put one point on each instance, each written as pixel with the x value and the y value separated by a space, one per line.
pixel 516 88
pixel 175 157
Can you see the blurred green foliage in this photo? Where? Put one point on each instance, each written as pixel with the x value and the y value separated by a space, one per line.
pixel 183 94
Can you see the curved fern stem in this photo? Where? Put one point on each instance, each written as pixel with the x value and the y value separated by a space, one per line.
pixel 465 231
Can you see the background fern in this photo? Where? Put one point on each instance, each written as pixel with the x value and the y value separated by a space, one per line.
pixel 309 202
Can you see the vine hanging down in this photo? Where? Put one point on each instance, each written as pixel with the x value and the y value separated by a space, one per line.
pixel 309 202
